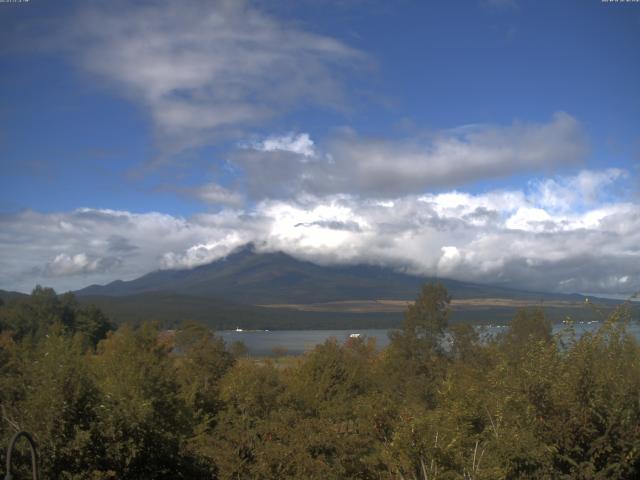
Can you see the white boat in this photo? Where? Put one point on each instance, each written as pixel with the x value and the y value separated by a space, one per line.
pixel 354 335
pixel 239 330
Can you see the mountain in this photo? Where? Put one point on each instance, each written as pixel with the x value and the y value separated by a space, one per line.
pixel 251 278
pixel 255 290
pixel 8 296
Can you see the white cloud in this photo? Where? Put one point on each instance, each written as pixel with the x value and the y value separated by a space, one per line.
pixel 79 263
pixel 313 229
pixel 202 253
pixel 449 260
pixel 505 237
pixel 206 69
pixel 300 144
pixel 530 219
pixel 566 193
pixel 384 168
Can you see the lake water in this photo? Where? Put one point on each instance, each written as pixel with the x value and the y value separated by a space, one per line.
pixel 296 342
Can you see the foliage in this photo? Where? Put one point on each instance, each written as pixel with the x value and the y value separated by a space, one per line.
pixel 440 402
pixel 33 315
pixel 417 349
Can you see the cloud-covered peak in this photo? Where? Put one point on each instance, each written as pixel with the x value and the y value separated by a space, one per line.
pixel 510 237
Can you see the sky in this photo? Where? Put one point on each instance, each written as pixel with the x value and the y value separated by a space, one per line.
pixel 494 141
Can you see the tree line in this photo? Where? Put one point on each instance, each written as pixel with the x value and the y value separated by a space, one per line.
pixel 145 403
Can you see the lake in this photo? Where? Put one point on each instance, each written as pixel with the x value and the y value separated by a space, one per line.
pixel 296 342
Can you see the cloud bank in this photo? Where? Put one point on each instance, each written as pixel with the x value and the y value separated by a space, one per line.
pixel 378 167
pixel 522 238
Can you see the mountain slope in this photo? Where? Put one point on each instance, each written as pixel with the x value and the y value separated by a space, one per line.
pixel 9 296
pixel 252 278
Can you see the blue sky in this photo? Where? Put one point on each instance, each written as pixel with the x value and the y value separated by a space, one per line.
pixel 421 135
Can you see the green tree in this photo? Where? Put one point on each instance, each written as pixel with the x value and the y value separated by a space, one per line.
pixel 529 325
pixel 48 390
pixel 34 315
pixel 415 357
pixel 250 393
pixel 201 362
pixel 142 419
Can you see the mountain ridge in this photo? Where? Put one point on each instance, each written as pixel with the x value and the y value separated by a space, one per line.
pixel 246 276
pixel 274 290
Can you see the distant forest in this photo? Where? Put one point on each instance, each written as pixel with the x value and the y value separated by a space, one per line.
pixel 140 402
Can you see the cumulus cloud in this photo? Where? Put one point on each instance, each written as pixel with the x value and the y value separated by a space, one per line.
pixel 386 168
pixel 80 263
pixel 300 144
pixel 509 237
pixel 584 189
pixel 206 69
pixel 202 253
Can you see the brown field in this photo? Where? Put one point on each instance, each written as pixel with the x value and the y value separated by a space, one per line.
pixel 380 306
